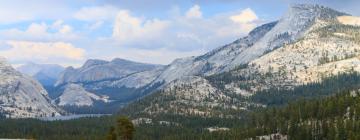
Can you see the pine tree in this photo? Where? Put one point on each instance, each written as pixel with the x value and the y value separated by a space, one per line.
pixel 112 134
pixel 125 128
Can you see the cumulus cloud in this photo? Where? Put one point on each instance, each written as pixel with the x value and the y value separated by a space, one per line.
pixel 41 32
pixel 194 12
pixel 245 16
pixel 96 13
pixel 128 28
pixel 95 25
pixel 42 51
pixel 157 40
pixel 185 32
pixel 66 29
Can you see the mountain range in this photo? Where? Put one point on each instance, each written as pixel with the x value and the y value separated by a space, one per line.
pixel 307 44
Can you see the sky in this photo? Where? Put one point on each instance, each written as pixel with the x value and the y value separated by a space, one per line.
pixel 69 32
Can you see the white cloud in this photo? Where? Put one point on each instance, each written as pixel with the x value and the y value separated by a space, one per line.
pixel 246 16
pixel 16 11
pixel 96 13
pixel 181 35
pixel 41 32
pixel 194 12
pixel 57 24
pixel 96 16
pixel 66 29
pixel 128 28
pixel 188 32
pixel 42 52
pixel 95 25
pixel 37 29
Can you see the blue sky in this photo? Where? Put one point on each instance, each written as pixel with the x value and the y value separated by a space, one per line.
pixel 69 32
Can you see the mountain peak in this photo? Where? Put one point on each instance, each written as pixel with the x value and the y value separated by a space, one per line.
pixel 312 11
pixel 121 61
pixel 306 6
pixel 93 62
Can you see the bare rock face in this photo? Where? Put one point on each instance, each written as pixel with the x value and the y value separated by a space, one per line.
pixel 76 95
pixel 21 96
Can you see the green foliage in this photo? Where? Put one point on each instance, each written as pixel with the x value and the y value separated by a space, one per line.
pixel 125 128
pixel 112 134
pixel 334 117
pixel 329 86
pixel 78 129
pixel 352 32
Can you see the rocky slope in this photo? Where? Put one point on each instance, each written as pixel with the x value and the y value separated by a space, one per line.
pixel 76 95
pixel 21 96
pixel 291 27
pixel 309 43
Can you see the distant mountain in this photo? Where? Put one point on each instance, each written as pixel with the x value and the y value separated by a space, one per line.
pixel 44 79
pixel 309 43
pixel 46 74
pixel 120 80
pixel 21 96
pixel 99 70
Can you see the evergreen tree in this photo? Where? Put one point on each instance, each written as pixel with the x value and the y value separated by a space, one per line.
pixel 112 134
pixel 125 128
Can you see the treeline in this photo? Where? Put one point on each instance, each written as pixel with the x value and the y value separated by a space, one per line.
pixel 332 118
pixel 102 128
pixel 78 129
pixel 327 87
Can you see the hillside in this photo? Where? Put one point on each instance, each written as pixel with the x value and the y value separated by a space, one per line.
pixel 327 47
pixel 21 96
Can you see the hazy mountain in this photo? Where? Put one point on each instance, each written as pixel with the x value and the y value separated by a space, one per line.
pixel 46 74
